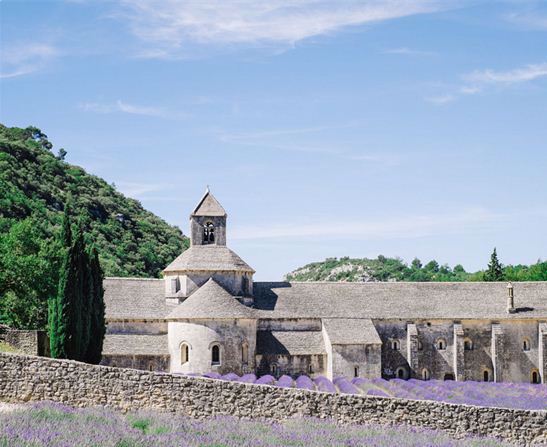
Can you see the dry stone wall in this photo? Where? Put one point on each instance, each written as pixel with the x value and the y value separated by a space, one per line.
pixel 27 378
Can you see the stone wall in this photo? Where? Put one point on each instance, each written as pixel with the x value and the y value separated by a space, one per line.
pixel 25 378
pixel 31 342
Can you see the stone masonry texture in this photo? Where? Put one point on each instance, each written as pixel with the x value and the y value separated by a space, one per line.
pixel 27 378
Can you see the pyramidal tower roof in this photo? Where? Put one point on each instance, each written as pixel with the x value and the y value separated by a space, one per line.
pixel 208 206
pixel 211 301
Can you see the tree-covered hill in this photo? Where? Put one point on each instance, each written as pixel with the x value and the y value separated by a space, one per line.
pixel 35 184
pixel 395 269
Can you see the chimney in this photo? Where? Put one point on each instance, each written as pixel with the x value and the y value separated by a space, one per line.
pixel 510 299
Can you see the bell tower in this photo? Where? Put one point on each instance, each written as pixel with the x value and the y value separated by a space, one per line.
pixel 208 222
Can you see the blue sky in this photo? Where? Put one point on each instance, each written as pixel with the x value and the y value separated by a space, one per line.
pixel 403 128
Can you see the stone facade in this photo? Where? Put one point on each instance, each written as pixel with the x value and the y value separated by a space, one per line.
pixel 31 342
pixel 217 319
pixel 24 378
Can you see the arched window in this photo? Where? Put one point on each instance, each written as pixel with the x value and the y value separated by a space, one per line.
pixel 401 373
pixel 215 355
pixel 534 377
pixel 441 344
pixel 467 345
pixel 310 369
pixel 245 353
pixel 184 353
pixel 395 345
pixel 526 344
pixel 425 374
pixel 356 371
pixel 208 233
pixel 274 369
pixel 420 345
pixel 448 376
pixel 486 376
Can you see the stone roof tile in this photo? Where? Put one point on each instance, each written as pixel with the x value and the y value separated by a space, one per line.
pixel 290 342
pixel 351 331
pixel 210 301
pixel 208 258
pixel 131 344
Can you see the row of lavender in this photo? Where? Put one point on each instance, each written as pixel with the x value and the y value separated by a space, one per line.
pixel 506 395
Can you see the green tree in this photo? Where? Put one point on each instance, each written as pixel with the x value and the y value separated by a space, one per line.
pixel 97 326
pixel 495 269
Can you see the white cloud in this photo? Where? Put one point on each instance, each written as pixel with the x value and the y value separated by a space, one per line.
pixel 170 25
pixel 522 74
pixel 479 80
pixel 123 107
pixel 460 221
pixel 528 20
pixel 408 52
pixel 137 189
pixel 25 58
pixel 441 99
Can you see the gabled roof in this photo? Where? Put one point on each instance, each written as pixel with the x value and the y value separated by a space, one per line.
pixel 208 206
pixel 290 342
pixel 210 301
pixel 135 299
pixel 351 331
pixel 208 258
pixel 399 300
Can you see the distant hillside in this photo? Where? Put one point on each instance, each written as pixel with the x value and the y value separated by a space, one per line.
pixel 395 269
pixel 35 183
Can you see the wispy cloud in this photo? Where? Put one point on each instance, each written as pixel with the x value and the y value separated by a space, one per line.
pixel 25 58
pixel 528 20
pixel 479 80
pixel 408 52
pixel 410 226
pixel 133 109
pixel 170 25
pixel 441 99
pixel 521 74
pixel 139 189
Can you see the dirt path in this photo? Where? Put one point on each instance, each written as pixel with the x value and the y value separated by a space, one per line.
pixel 8 408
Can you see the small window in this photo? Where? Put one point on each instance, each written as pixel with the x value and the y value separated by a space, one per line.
pixel 467 345
pixel 174 285
pixel 310 369
pixel 245 353
pixel 274 369
pixel 486 376
pixel 441 344
pixel 425 374
pixel 395 345
pixel 448 376
pixel 215 355
pixel 244 285
pixel 208 233
pixel 420 346
pixel 525 344
pixel 534 377
pixel 184 353
pixel 356 371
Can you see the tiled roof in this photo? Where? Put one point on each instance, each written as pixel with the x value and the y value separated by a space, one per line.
pixel 351 331
pixel 130 344
pixel 210 301
pixel 290 342
pixel 208 206
pixel 134 299
pixel 383 300
pixel 208 258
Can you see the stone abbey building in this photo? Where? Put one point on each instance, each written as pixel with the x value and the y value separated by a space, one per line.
pixel 207 314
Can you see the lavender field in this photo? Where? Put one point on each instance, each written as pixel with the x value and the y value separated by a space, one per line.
pixel 505 395
pixel 56 425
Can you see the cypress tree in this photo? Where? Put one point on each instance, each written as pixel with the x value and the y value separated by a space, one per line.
pixel 56 327
pixel 495 269
pixel 97 317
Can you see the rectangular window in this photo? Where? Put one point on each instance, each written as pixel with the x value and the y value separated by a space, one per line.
pixel 174 285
